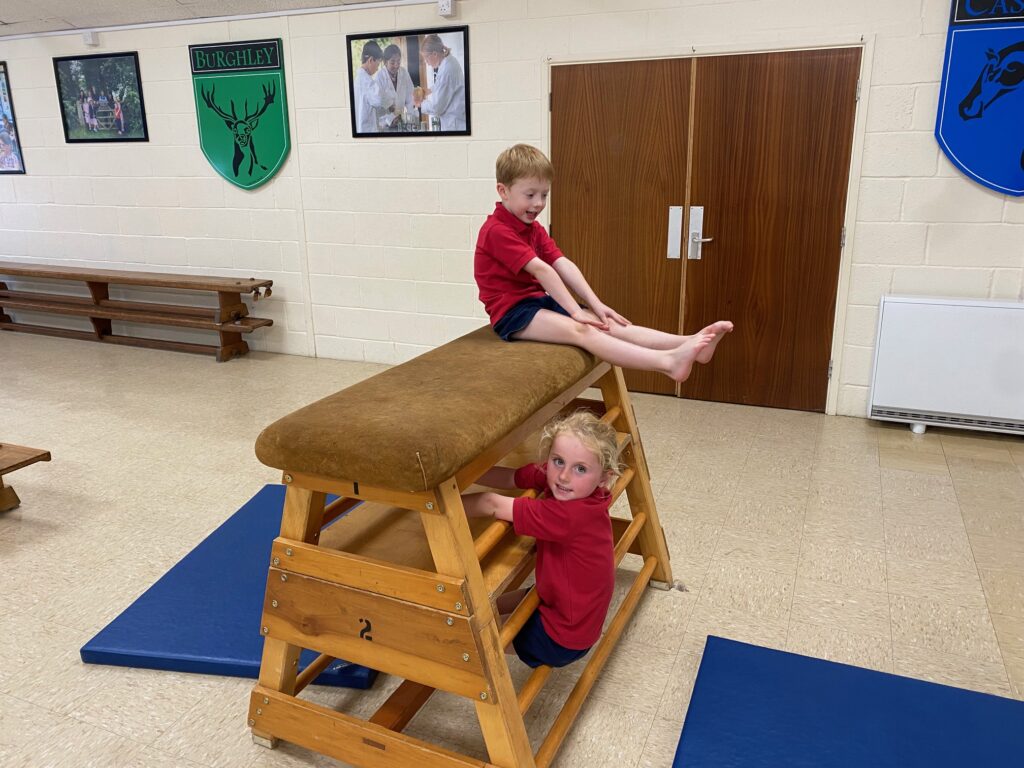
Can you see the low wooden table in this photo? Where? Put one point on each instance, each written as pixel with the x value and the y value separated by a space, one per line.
pixel 14 457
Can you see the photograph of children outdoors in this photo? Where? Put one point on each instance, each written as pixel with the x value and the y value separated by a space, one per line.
pixel 101 98
pixel 10 149
pixel 410 81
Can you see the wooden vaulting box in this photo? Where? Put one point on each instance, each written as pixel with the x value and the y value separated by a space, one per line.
pixel 404 582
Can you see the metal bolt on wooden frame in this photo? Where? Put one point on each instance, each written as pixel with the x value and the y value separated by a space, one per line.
pixel 430 619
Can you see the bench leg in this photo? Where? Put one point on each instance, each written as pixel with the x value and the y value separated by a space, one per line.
pixel 100 292
pixel 230 307
pixel 231 345
pixel 8 498
pixel 301 520
pixel 4 318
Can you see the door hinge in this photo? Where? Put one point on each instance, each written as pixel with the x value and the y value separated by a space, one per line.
pixel 842 239
pixel 830 369
pixel 858 90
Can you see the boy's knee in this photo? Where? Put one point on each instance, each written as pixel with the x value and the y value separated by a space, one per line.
pixel 582 330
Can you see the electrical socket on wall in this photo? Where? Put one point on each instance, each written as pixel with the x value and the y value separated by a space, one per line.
pixel 445 7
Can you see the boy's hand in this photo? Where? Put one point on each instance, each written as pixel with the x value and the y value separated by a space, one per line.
pixel 608 315
pixel 589 318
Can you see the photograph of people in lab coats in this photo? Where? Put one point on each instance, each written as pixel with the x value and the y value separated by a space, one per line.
pixel 410 82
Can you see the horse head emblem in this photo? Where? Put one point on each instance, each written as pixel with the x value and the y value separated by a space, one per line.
pixel 1002 73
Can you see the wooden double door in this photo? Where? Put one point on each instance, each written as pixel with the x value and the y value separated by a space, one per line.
pixel 761 142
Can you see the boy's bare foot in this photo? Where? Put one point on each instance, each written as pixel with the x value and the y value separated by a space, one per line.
pixel 718 330
pixel 682 357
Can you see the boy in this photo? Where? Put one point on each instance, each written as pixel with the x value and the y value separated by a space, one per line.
pixel 526 283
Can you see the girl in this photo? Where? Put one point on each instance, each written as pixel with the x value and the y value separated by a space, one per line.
pixel 575 550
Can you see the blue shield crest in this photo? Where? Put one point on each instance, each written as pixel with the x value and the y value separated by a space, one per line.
pixel 980 121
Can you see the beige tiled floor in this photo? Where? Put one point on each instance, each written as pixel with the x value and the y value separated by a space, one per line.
pixel 833 537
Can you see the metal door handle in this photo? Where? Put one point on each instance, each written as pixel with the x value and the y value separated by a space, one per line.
pixel 696 239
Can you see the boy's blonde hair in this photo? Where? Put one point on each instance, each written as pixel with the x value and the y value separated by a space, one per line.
pixel 593 434
pixel 522 162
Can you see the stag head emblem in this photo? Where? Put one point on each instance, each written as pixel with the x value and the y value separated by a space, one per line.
pixel 242 128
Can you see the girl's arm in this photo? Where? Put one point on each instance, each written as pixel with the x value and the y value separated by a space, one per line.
pixel 551 281
pixel 572 277
pixel 488 505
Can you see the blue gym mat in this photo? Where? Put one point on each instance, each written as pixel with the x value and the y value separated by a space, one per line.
pixel 754 707
pixel 203 615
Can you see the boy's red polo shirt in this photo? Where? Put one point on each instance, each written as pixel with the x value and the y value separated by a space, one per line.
pixel 575 558
pixel 503 247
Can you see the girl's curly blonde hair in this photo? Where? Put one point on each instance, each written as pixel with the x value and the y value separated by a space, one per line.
pixel 594 434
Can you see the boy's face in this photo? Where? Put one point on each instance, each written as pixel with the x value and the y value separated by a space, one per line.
pixel 525 198
pixel 573 470
pixel 371 66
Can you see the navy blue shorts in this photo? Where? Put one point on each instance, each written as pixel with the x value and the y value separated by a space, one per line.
pixel 522 313
pixel 535 647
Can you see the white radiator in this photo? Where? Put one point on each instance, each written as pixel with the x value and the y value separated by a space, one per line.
pixel 949 362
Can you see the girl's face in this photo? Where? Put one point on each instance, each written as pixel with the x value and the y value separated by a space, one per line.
pixel 525 198
pixel 573 470
pixel 393 64
pixel 371 66
pixel 433 58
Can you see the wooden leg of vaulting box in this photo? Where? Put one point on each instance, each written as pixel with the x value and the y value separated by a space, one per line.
pixel 639 491
pixel 451 543
pixel 301 520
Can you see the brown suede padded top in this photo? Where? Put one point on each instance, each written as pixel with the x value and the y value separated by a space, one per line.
pixel 414 426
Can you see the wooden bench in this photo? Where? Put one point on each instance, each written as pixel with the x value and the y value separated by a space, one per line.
pixel 404 582
pixel 229 319
pixel 14 457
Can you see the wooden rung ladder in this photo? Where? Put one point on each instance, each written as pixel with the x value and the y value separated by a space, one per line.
pixel 405 583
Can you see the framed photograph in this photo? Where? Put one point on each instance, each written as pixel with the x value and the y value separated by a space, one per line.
pixel 101 97
pixel 413 82
pixel 11 159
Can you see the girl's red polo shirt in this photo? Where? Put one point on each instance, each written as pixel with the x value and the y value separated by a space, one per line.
pixel 575 558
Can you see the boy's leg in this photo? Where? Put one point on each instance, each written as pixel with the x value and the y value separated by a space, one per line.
pixel 653 339
pixel 675 363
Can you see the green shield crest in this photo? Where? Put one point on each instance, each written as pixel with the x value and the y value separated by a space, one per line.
pixel 241 109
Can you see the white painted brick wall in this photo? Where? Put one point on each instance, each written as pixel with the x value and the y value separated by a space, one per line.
pixel 954 200
pixel 889 243
pixel 975 245
pixel 383 231
pixel 942 281
pixel 1008 284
